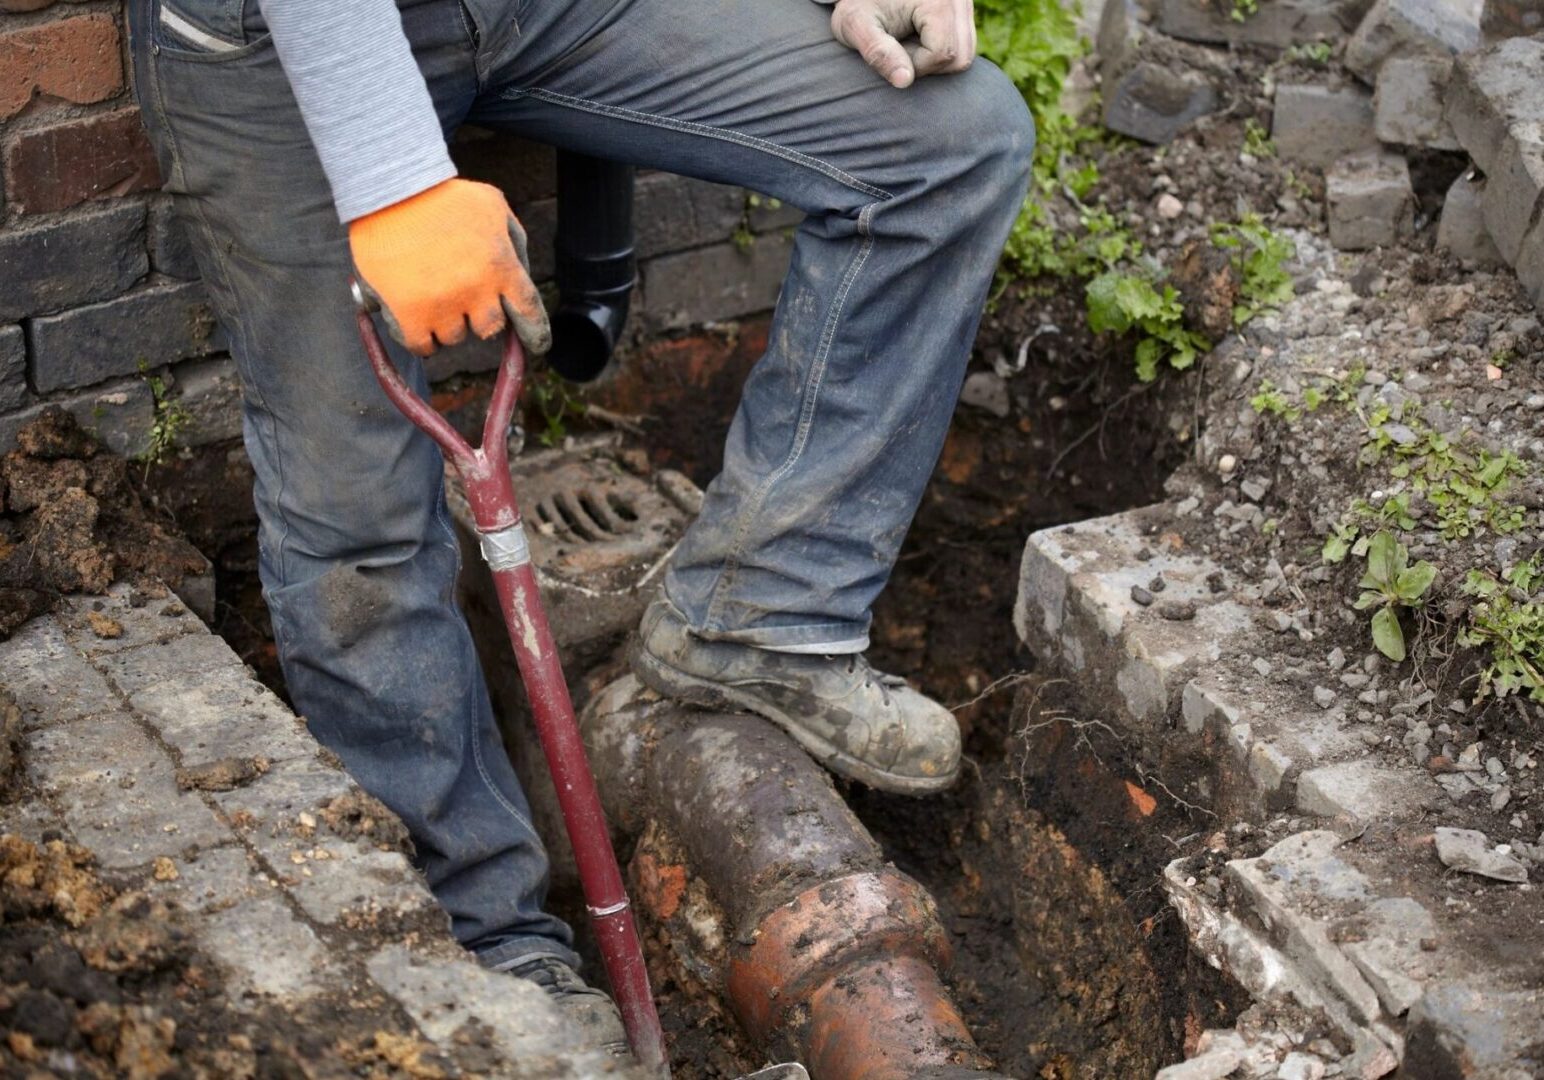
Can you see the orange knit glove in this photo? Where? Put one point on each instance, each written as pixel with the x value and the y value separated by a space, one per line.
pixel 446 258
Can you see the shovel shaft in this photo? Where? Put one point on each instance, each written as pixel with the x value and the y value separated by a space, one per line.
pixel 490 494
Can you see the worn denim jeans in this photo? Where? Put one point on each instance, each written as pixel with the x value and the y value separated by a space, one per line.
pixel 909 196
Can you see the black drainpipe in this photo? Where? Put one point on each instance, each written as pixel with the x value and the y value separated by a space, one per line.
pixel 595 265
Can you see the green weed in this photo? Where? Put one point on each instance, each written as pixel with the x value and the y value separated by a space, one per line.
pixel 1261 257
pixel 169 420
pixel 1119 301
pixel 1389 584
pixel 1257 141
pixel 1508 619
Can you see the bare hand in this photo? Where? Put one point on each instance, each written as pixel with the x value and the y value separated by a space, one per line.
pixel 906 39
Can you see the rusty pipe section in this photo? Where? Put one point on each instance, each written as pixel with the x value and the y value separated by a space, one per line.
pixel 824 950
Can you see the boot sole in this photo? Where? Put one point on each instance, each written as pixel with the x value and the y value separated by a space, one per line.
pixel 672 682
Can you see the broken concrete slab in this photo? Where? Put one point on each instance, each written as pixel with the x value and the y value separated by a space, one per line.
pixel 1364 790
pixel 1471 851
pixel 266 950
pixel 1319 125
pixel 1491 90
pixel 1483 1032
pixel 1461 228
pixel 1369 201
pixel 1277 24
pixel 1407 104
pixel 1410 28
pixel 1152 87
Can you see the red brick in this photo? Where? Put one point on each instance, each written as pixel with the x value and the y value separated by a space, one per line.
pixel 59 166
pixel 78 59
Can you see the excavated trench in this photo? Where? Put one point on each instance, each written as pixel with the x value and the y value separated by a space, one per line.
pixel 1045 860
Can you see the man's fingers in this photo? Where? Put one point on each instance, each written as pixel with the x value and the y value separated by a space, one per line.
pixel 522 303
pixel 945 40
pixel 488 322
pixel 858 27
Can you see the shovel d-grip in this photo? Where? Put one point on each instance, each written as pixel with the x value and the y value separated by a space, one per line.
pixel 491 495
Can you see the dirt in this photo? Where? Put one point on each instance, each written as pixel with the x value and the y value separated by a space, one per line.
pixel 73 521
pixel 226 774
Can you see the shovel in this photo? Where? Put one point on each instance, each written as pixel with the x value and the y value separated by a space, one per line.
pixel 490 494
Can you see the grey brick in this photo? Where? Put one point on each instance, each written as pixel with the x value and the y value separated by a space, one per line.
pixel 223 713
pixel 1364 791
pixel 1491 90
pixel 1512 192
pixel 156 325
pixel 276 799
pixel 171 251
pixel 49 679
pixel 118 791
pixel 176 660
pixel 771 215
pixel 209 392
pixel 1277 24
pixel 138 625
pixel 331 878
pixel 720 282
pixel 444 992
pixel 525 170
pixel 1481 1029
pixel 1461 229
pixel 13 368
pixel 673 213
pixel 85 257
pixel 120 414
pixel 1321 124
pixel 1407 105
pixel 212 879
pixel 265 949
pixel 1510 18
pixel 1153 99
pixel 1410 28
pixel 1369 201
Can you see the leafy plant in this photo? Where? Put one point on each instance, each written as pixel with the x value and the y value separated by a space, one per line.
pixel 1242 9
pixel 1257 141
pixel 1389 584
pixel 1338 544
pixel 1270 401
pixel 169 420
pixel 556 404
pixel 1314 52
pixel 1260 256
pixel 1119 302
pixel 1508 619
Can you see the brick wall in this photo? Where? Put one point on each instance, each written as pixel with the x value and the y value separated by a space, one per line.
pixel 98 288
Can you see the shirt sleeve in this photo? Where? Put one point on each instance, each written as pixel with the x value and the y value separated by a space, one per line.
pixel 363 99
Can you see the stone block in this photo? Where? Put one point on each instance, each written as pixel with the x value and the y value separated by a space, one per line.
pixel 1513 188
pixel 156 325
pixel 1365 791
pixel 1153 98
pixel 1277 24
pixel 140 621
pixel 1477 1029
pixel 177 660
pixel 85 257
pixel 264 949
pixel 119 414
pixel 223 713
pixel 56 166
pixel 332 878
pixel 209 392
pixel 1369 201
pixel 274 801
pixel 13 368
pixel 118 791
pixel 715 283
pixel 1530 263
pixel 1407 105
pixel 1320 125
pixel 1074 609
pixel 443 992
pixel 211 880
pixel 171 248
pixel 1121 30
pixel 1461 229
pixel 1492 90
pixel 1511 18
pixel 49 679
pixel 674 213
pixel 1410 28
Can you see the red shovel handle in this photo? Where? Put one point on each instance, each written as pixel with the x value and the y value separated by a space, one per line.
pixel 490 493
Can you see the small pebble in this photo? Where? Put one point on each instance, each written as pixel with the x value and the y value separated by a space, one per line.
pixel 1141 596
pixel 1177 610
pixel 1262 666
pixel 1337 658
pixel 1157 585
pixel 1323 696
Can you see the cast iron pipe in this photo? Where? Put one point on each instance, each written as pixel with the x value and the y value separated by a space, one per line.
pixel 595 267
pixel 830 953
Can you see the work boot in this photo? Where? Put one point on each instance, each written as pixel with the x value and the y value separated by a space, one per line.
pixel 857 722
pixel 594 1011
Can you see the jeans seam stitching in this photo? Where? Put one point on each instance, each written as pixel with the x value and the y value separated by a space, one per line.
pixel 670 123
pixel 498 796
pixel 726 579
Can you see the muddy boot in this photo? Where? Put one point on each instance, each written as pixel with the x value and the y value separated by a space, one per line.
pixel 857 722
pixel 591 1009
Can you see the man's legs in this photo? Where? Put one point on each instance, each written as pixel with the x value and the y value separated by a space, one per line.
pixel 910 194
pixel 357 555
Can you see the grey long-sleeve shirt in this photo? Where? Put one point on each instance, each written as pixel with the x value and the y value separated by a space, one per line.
pixel 363 98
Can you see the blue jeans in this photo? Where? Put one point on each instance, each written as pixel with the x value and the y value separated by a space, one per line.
pixel 909 196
